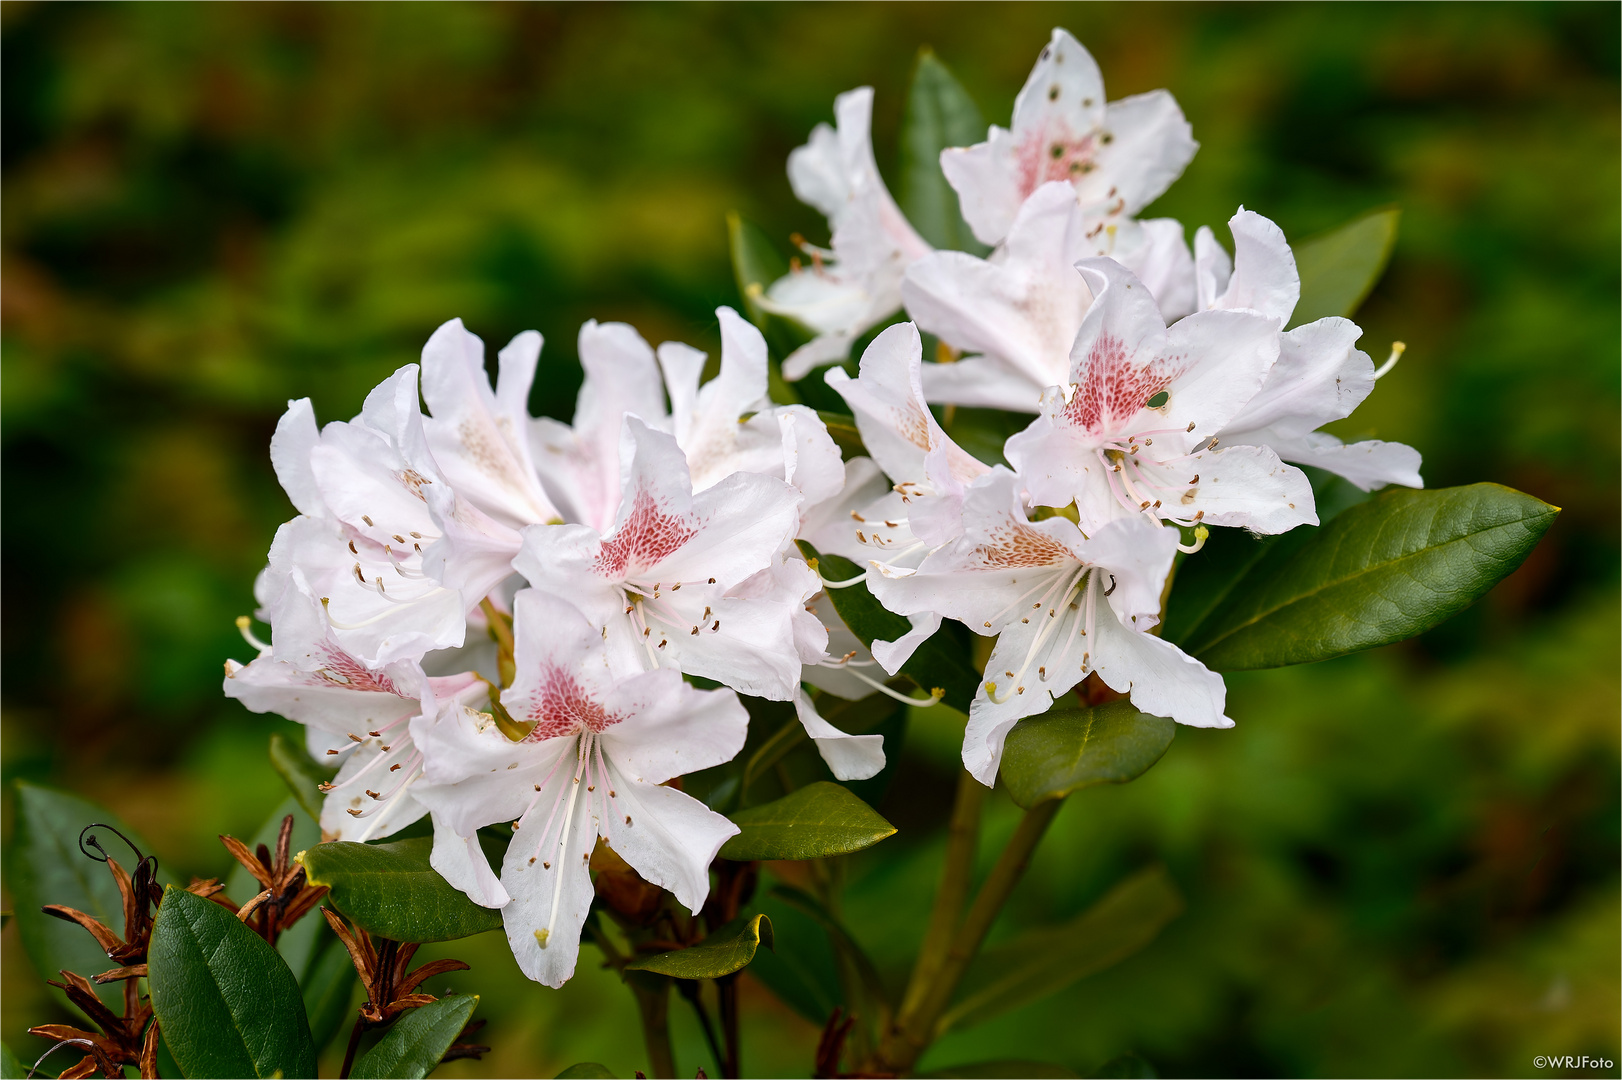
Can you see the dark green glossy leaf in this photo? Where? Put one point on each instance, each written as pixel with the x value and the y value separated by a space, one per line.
pixel 586 1070
pixel 939 114
pixel 328 986
pixel 860 987
pixel 813 822
pixel 1043 962
pixel 938 664
pixel 997 1070
pixel 417 1041
pixel 842 429
pixel 228 1004
pixel 756 263
pixel 391 891
pixel 729 948
pixel 300 772
pixel 1340 267
pixel 45 866
pixel 1383 571
pixel 802 969
pixel 1069 748
pixel 10 1067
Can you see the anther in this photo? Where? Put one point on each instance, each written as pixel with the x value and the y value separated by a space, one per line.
pixel 355 737
pixel 333 752
pixel 395 767
pixel 372 793
pixel 366 519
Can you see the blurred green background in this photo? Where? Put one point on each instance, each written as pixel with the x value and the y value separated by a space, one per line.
pixel 1399 863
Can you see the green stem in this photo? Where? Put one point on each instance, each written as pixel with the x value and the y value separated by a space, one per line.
pixel 962 841
pixel 653 1002
pixel 908 1039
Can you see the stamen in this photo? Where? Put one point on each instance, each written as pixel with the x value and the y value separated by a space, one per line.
pixel 244 626
pixel 1397 349
pixel 1200 533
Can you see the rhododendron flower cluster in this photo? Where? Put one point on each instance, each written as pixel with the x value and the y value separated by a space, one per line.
pixel 493 619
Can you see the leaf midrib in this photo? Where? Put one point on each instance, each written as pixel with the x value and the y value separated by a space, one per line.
pixel 1326 586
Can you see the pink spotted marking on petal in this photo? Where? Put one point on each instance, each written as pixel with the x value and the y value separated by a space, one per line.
pixel 910 424
pixel 1114 387
pixel 648 535
pixel 1053 152
pixel 1015 544
pixel 341 669
pixel 565 708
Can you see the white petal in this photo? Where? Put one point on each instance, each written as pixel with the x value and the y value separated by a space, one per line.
pixel 1370 464
pixel 461 861
pixel 892 654
pixel 1264 275
pixel 540 908
pixel 478 441
pixel 980 382
pixel 849 757
pixel 1022 310
pixel 1244 486
pixel 669 728
pixel 1162 262
pixel 1149 145
pixel 1320 376
pixel 1163 680
pixel 667 837
pixel 296 436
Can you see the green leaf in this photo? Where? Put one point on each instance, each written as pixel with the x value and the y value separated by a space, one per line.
pixel 586 1070
pixel 842 429
pixel 729 948
pixel 300 772
pixel 940 663
pixel 328 986
pixel 45 866
pixel 1074 747
pixel 860 988
pixel 939 114
pixel 1043 962
pixel 1383 571
pixel 390 891
pixel 10 1067
pixel 1126 1067
pixel 228 1004
pixel 802 969
pixel 816 821
pixel 756 263
pixel 1340 267
pixel 417 1041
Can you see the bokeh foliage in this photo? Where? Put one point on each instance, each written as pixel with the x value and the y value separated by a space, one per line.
pixel 1403 862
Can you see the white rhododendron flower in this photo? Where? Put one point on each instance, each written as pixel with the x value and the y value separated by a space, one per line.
pixel 358 719
pixel 1017 314
pixel 394 557
pixel 479 437
pixel 660 586
pixel 851 288
pixel 1118 157
pixel 495 619
pixel 1320 376
pixel 605 738
pixel 580 464
pixel 1064 605
pixel 1133 431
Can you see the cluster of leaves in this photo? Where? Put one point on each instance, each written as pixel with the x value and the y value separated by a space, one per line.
pixel 209 987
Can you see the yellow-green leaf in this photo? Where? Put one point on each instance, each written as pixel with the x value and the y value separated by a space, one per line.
pixel 815 821
pixel 729 948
